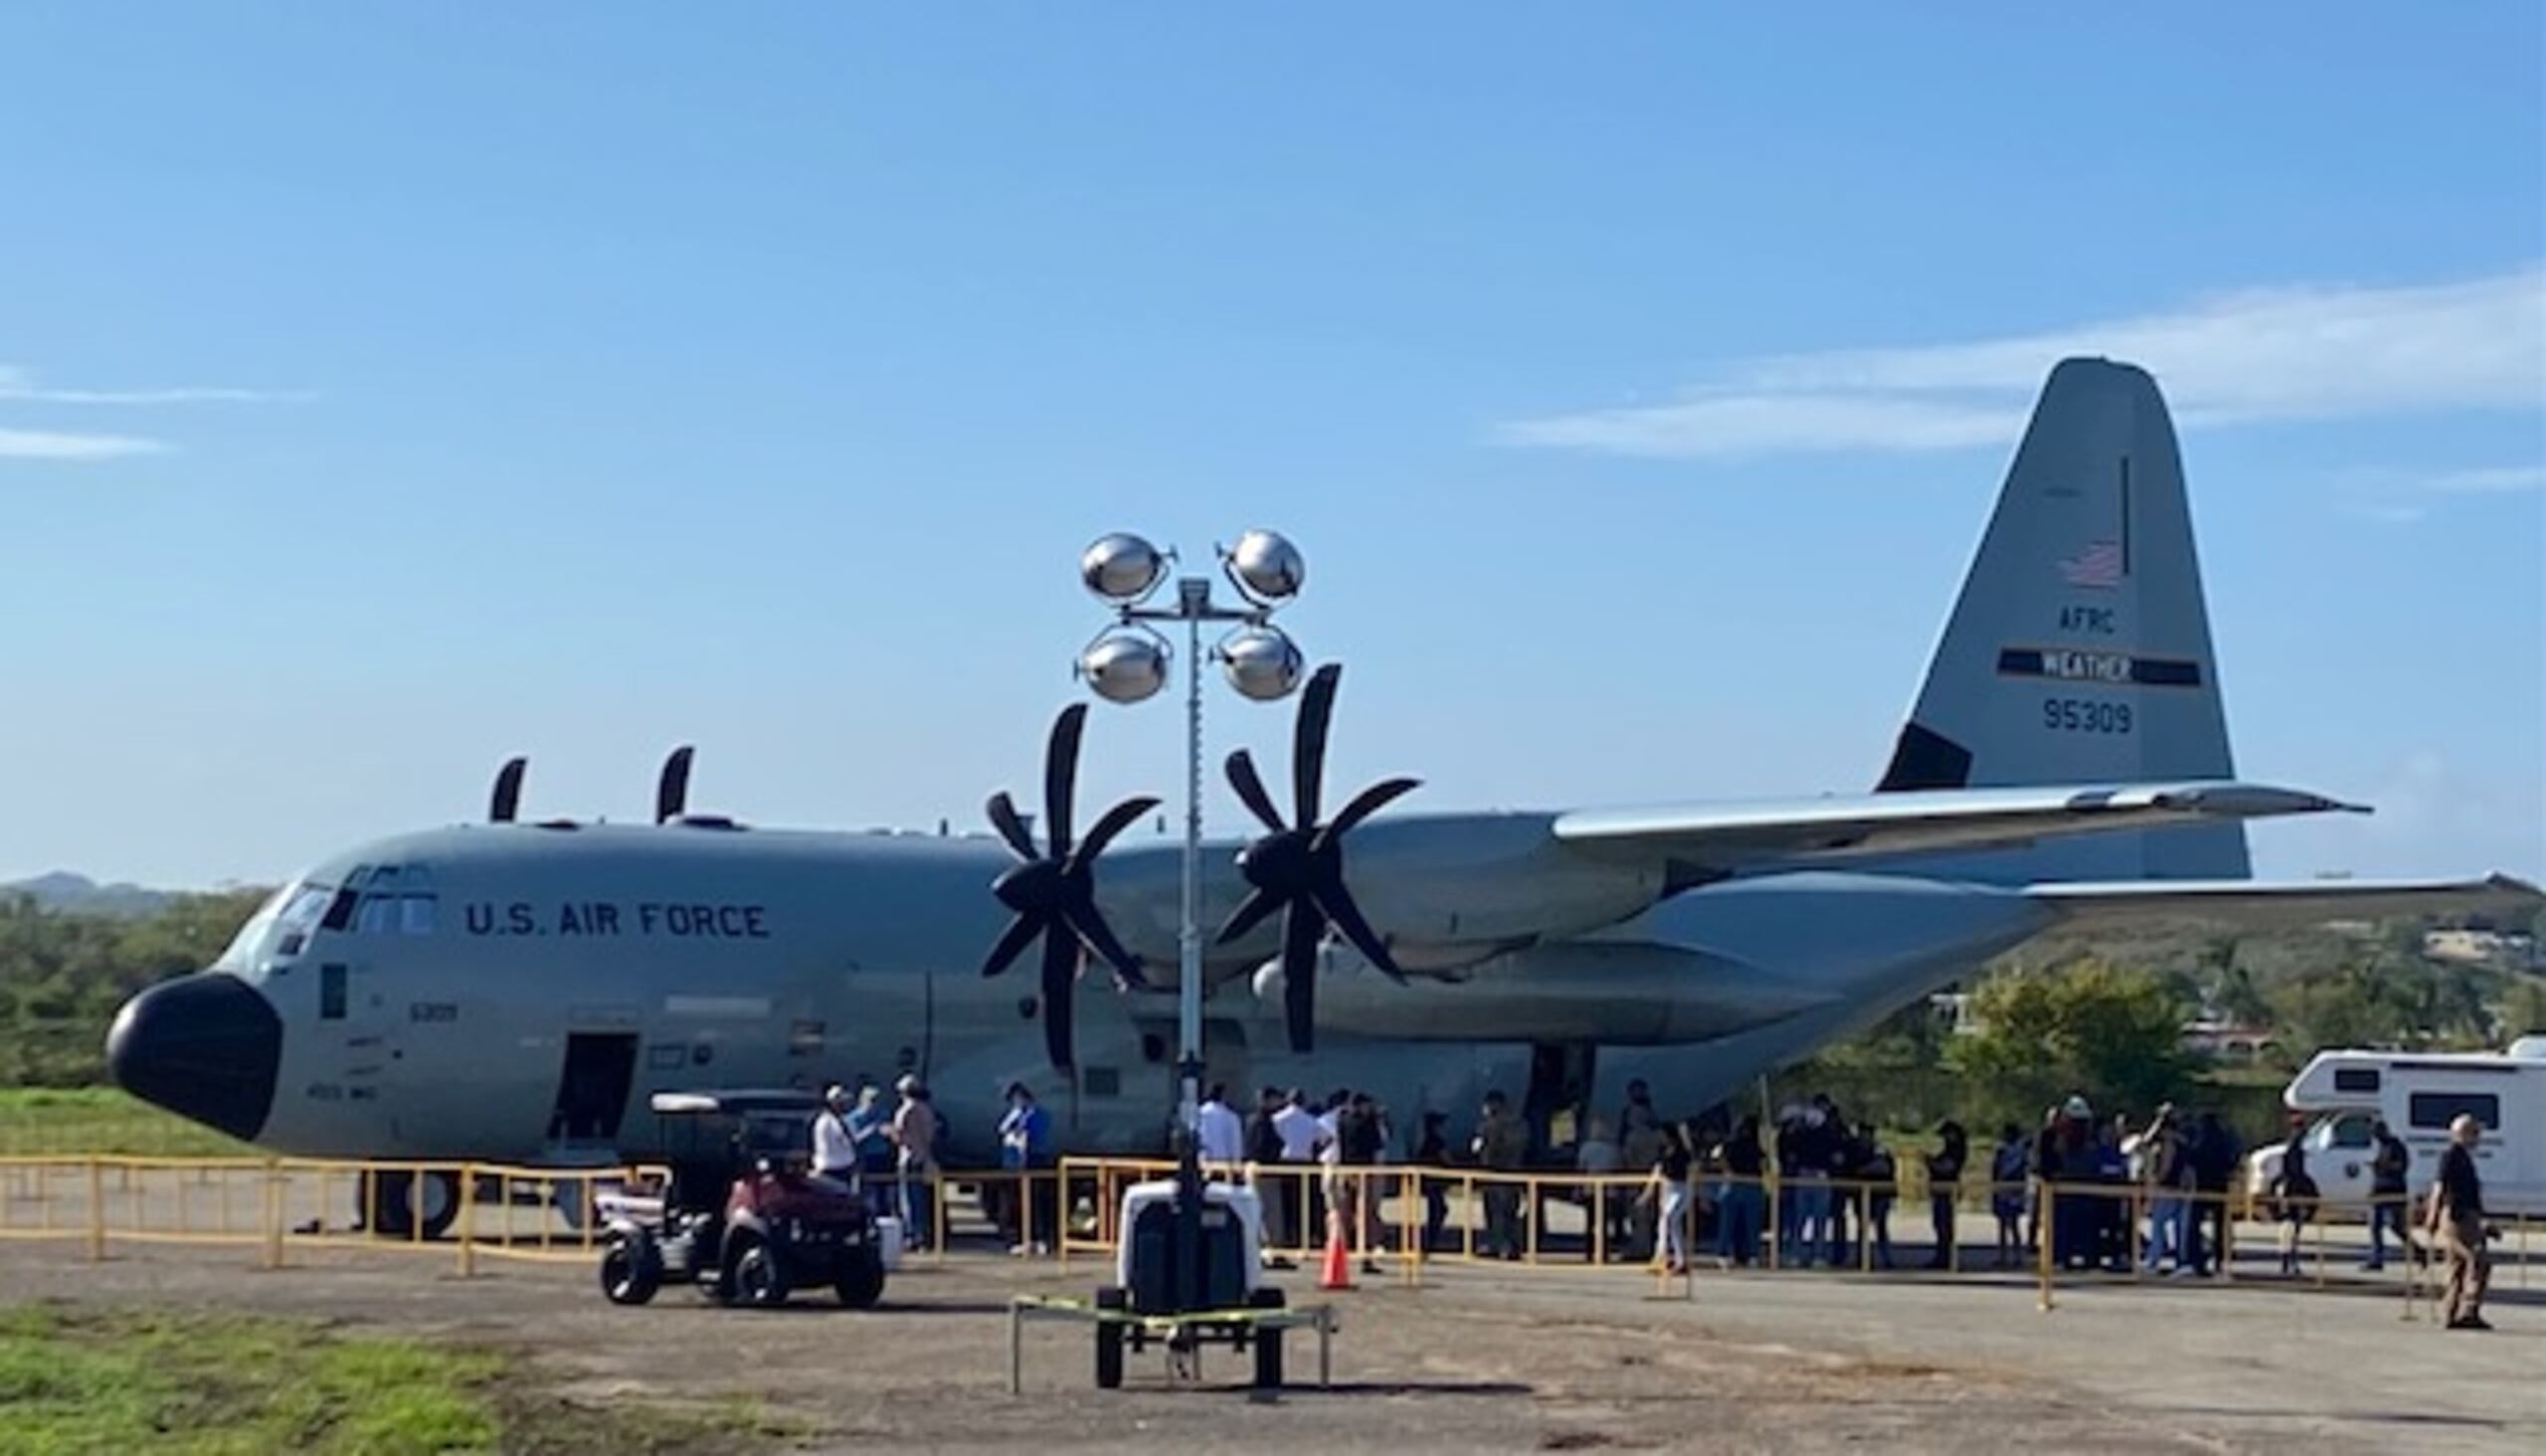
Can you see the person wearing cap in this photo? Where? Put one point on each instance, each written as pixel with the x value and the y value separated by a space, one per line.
pixel 834 1146
pixel 915 1147
pixel 1025 1145
pixel 2456 1224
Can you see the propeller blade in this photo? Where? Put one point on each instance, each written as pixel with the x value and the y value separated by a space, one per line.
pixel 1336 902
pixel 1308 748
pixel 1250 790
pixel 1098 937
pixel 671 789
pixel 1060 776
pixel 1003 819
pixel 1249 914
pixel 1019 930
pixel 1300 932
pixel 1365 804
pixel 1116 821
pixel 1060 979
pixel 505 802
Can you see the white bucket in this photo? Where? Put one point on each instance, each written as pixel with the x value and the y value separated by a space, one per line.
pixel 888 1241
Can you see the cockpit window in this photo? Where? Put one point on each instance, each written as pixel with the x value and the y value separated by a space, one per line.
pixel 398 901
pixel 243 946
pixel 299 916
pixel 415 914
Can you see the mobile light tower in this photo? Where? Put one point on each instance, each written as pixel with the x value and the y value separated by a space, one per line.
pixel 1129 661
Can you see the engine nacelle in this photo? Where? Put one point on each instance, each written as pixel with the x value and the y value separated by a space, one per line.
pixel 1612 993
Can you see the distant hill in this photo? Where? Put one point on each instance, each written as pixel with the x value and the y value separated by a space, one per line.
pixel 62 890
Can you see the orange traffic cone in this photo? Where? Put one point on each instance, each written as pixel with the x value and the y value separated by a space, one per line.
pixel 1338 1270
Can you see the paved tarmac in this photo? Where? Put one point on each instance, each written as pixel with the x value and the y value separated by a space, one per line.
pixel 1480 1359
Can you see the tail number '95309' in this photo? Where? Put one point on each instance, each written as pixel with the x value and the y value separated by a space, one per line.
pixel 2085 715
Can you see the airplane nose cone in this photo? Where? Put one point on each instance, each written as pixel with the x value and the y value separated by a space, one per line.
pixel 204 1046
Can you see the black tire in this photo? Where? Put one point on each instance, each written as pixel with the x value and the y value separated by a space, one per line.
pixel 388 1199
pixel 861 1278
pixel 755 1276
pixel 1109 1356
pixel 1268 1360
pixel 632 1270
pixel 1109 1340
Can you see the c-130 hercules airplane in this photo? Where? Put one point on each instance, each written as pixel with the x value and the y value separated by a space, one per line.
pixel 509 990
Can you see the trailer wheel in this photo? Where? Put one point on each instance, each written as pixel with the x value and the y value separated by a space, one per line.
pixel 1268 1360
pixel 1109 1341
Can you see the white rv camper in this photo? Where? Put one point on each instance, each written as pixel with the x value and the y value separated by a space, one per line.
pixel 2419 1093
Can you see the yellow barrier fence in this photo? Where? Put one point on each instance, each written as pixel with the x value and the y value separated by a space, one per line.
pixel 1410 1216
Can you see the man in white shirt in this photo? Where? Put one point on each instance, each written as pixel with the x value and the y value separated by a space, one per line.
pixel 1299 1131
pixel 834 1150
pixel 1224 1137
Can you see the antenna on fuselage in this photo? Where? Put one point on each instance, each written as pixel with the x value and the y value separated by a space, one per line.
pixel 671 789
pixel 505 802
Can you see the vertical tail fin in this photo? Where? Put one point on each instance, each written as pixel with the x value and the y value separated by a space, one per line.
pixel 2080 648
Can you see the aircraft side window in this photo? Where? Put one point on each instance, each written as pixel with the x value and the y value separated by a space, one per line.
pixel 2437 1109
pixel 331 992
pixel 379 914
pixel 415 914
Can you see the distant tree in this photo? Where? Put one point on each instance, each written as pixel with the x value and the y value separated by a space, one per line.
pixel 2523 1008
pixel 2089 1025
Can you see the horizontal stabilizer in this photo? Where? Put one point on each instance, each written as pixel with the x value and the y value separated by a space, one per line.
pixel 2256 904
pixel 1722 838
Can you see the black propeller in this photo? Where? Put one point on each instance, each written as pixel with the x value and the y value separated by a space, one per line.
pixel 1299 867
pixel 505 802
pixel 671 786
pixel 1055 893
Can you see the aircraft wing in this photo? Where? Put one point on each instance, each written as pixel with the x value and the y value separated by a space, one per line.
pixel 1728 838
pixel 2263 903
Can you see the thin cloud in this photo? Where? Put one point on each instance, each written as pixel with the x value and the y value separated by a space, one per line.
pixel 2490 481
pixel 18 384
pixel 54 444
pixel 2266 354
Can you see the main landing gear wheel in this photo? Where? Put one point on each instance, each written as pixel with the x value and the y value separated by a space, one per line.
pixel 393 1202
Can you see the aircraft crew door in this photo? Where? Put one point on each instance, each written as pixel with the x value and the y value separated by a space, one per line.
pixel 592 1091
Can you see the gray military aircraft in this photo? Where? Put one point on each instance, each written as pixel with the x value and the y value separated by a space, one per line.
pixel 509 990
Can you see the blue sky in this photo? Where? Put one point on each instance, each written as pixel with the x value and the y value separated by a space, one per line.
pixel 385 389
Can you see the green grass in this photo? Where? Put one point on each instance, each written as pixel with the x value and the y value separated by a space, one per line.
pixel 204 1385
pixel 80 1120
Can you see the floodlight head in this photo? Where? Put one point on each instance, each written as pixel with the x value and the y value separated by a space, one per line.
pixel 1266 568
pixel 1124 666
pixel 1122 568
pixel 1261 662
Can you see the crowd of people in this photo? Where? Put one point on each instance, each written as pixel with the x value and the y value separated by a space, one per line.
pixel 2099 1189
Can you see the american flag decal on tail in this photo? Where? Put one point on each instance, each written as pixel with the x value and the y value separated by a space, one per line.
pixel 2100 565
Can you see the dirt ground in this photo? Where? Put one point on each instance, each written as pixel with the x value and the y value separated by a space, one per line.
pixel 1478 1359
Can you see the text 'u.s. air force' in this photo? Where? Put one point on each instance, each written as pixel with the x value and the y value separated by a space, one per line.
pixel 690 920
